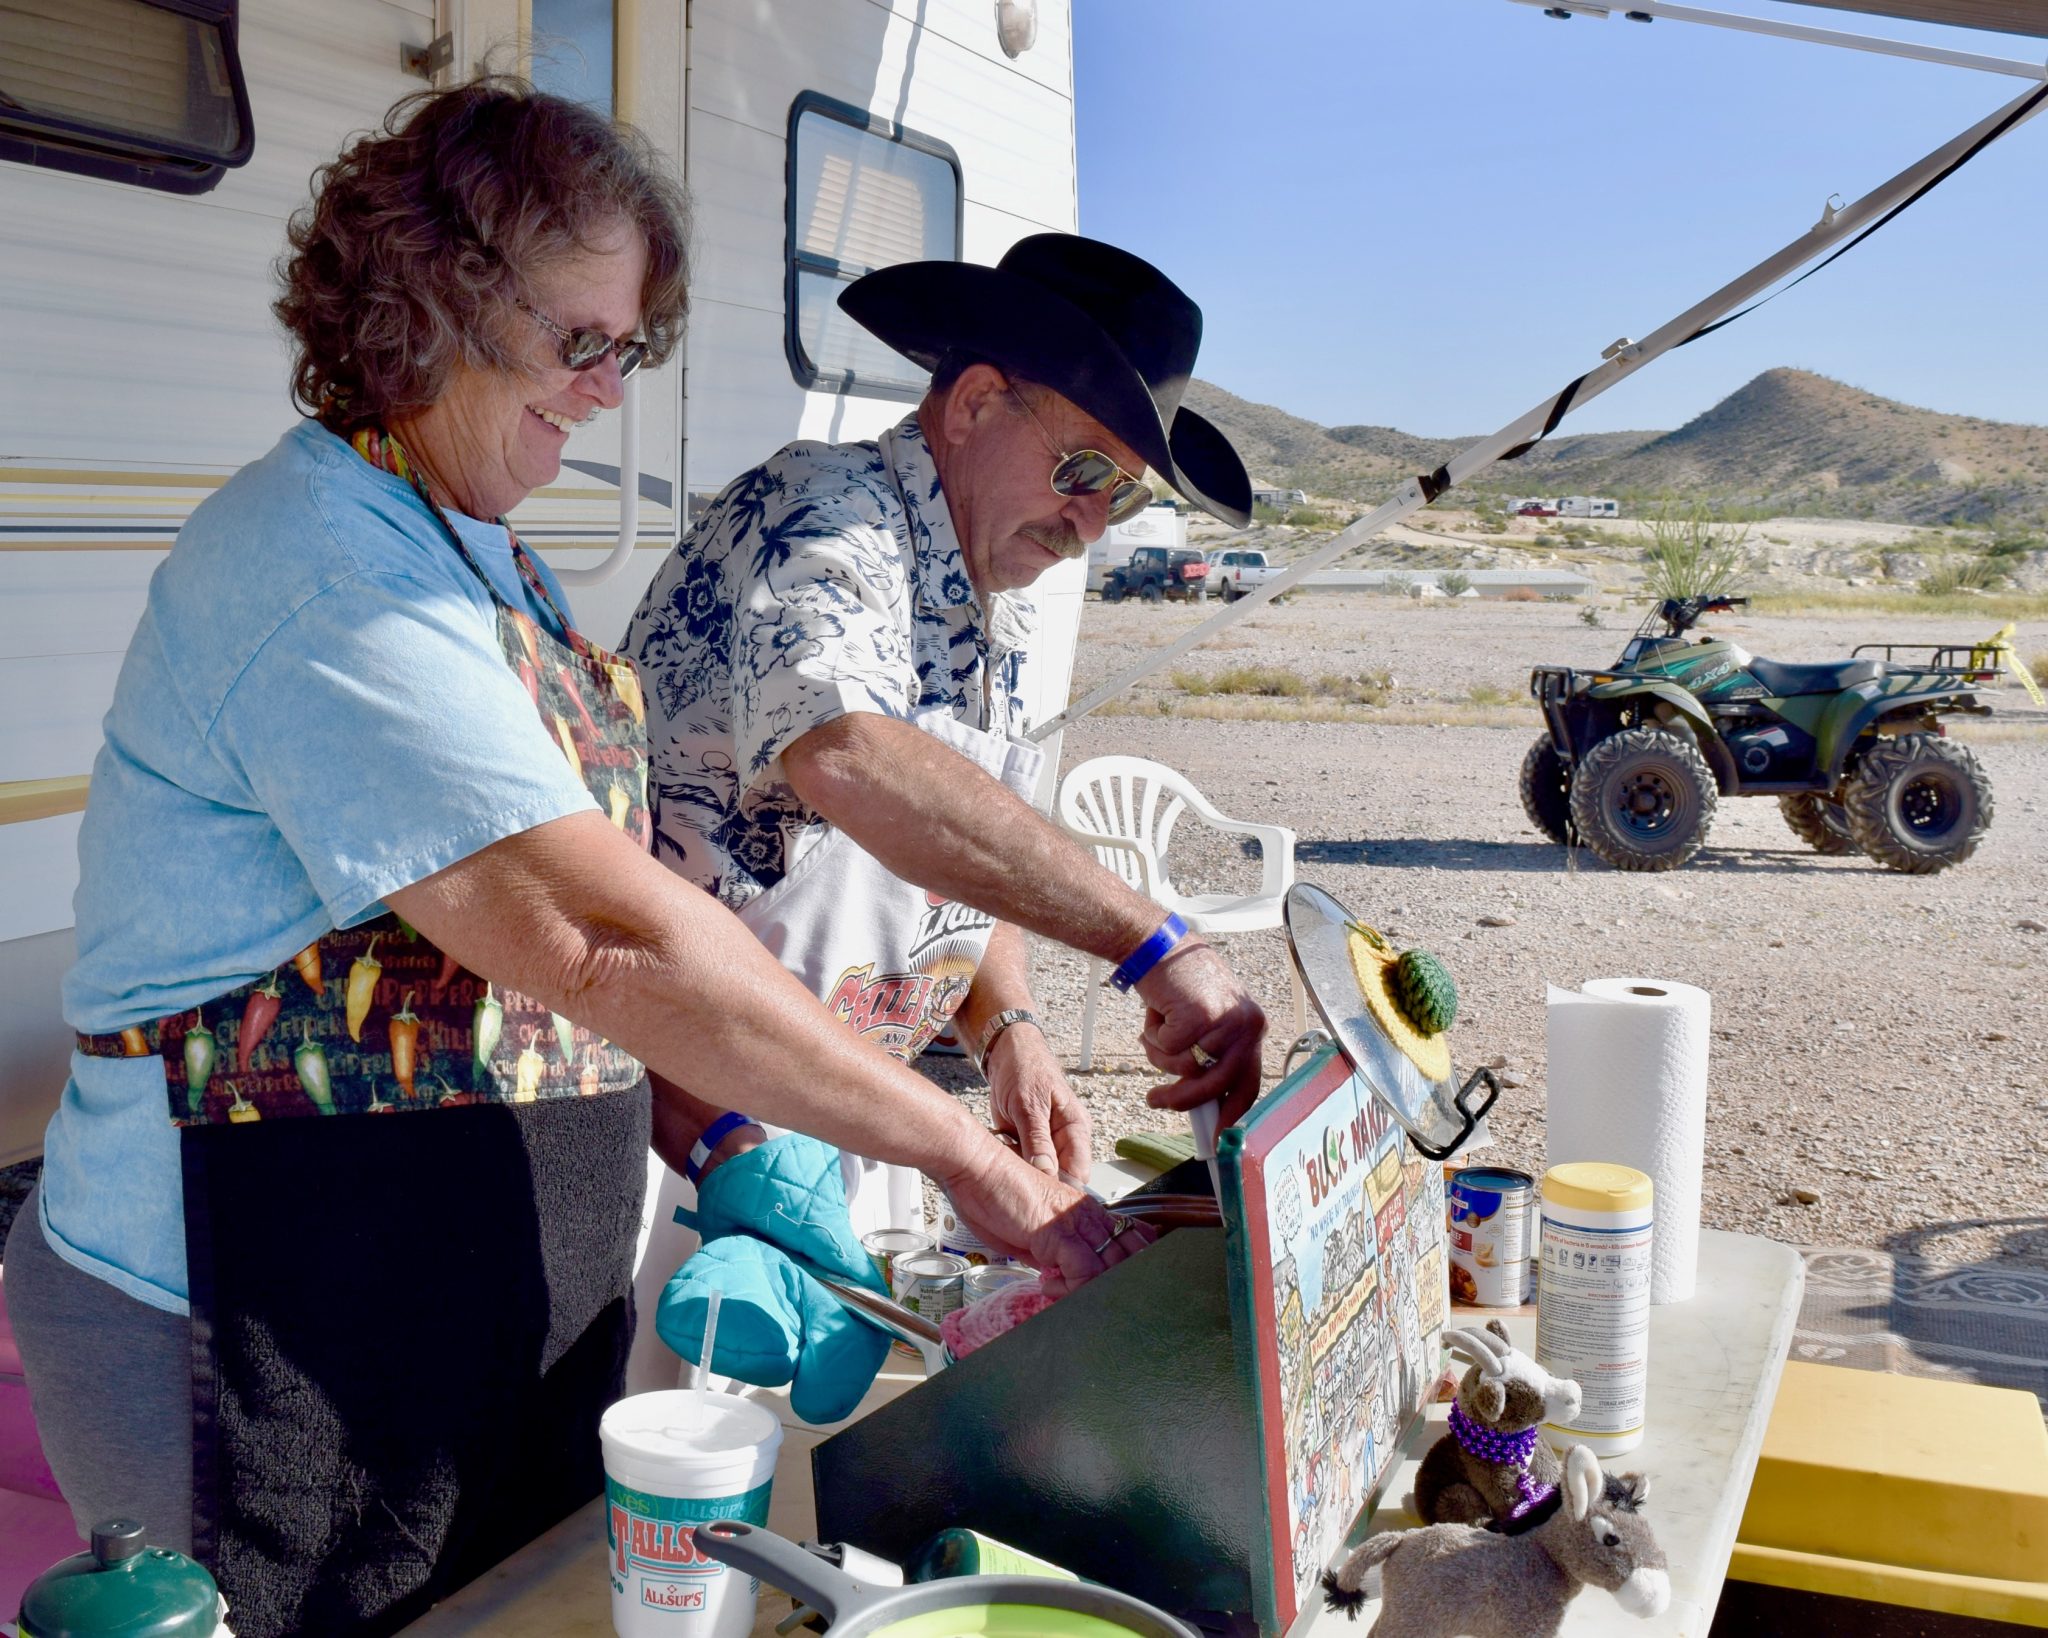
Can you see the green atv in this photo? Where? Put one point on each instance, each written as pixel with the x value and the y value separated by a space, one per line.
pixel 1636 757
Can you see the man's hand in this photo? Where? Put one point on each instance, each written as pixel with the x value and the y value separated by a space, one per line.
pixel 1029 1098
pixel 1193 1000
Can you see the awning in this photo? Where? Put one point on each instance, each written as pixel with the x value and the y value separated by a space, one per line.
pixel 2005 16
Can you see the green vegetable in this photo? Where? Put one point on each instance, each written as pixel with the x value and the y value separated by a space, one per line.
pixel 485 1026
pixel 309 1058
pixel 202 1051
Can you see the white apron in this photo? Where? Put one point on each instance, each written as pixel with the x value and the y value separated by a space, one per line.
pixel 889 960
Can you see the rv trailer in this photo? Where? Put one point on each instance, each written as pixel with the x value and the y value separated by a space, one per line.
pixel 141 365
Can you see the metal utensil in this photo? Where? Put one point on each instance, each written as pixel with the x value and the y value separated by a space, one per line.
pixel 855 1608
pixel 1437 1115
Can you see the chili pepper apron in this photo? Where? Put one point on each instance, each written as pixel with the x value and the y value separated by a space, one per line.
pixel 890 960
pixel 405 1330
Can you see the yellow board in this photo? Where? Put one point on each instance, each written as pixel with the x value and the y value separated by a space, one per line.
pixel 1901 1490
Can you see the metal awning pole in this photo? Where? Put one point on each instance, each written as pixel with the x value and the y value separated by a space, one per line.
pixel 1622 360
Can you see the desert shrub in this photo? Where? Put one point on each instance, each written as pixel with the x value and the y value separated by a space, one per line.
pixel 1521 594
pixel 1560 597
pixel 1366 688
pixel 1488 694
pixel 1691 555
pixel 1244 679
pixel 1589 616
pixel 1456 584
pixel 1312 517
pixel 1262 513
pixel 1398 584
pixel 1971 574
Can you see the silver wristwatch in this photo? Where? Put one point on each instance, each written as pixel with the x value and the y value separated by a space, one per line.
pixel 996 1025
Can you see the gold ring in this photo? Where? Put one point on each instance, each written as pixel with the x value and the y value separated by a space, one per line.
pixel 1203 1058
pixel 1122 1223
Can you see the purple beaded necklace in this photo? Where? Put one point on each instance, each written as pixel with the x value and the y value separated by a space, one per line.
pixel 1511 1450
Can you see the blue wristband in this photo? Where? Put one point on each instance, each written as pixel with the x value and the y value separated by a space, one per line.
pixel 1149 954
pixel 714 1134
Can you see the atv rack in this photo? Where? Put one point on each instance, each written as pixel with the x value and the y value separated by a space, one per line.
pixel 1978 661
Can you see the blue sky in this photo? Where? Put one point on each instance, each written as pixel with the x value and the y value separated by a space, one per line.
pixel 1431 214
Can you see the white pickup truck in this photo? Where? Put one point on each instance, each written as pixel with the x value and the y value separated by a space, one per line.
pixel 1234 571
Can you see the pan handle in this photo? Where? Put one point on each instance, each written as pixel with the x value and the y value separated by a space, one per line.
pixel 1471 1117
pixel 1306 1042
pixel 826 1588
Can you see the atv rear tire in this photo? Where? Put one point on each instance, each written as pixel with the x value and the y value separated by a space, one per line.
pixel 1819 821
pixel 1642 799
pixel 1918 803
pixel 1547 791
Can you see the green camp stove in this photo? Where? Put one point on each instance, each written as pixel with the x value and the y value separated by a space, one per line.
pixel 1201 1425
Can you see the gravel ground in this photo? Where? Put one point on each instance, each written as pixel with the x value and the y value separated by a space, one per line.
pixel 1879 1040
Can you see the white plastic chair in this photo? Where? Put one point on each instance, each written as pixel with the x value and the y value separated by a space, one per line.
pixel 1125 808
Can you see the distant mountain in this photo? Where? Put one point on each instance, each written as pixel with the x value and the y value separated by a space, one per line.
pixel 1790 440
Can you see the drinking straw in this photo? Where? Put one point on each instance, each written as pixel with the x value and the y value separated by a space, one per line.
pixel 702 1373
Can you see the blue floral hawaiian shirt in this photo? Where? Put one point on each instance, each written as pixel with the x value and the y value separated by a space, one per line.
pixel 826 580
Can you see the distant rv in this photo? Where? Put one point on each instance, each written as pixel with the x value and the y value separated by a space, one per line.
pixel 1155 526
pixel 1588 506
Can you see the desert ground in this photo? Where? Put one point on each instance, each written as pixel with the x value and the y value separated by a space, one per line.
pixel 1880 1040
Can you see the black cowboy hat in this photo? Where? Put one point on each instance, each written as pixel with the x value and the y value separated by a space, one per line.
pixel 1094 323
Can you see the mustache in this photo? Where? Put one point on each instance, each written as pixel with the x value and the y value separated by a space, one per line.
pixel 1062 542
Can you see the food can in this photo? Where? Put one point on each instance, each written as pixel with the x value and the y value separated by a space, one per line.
pixel 1488 1207
pixel 993 1277
pixel 956 1237
pixel 931 1283
pixel 1593 1319
pixel 884 1246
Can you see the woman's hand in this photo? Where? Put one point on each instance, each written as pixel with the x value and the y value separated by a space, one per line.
pixel 1029 1099
pixel 1022 1212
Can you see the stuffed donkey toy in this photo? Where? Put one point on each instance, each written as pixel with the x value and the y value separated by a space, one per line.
pixel 1515 1580
pixel 1493 1463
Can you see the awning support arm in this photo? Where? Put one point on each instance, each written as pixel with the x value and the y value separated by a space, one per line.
pixel 1621 361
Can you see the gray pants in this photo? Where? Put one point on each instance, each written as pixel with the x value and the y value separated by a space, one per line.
pixel 111 1382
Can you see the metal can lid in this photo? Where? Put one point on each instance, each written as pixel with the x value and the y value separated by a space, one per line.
pixel 986 1282
pixel 931 1265
pixel 1597 1185
pixel 896 1241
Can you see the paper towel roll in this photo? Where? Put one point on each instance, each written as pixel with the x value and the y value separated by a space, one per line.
pixel 1628 1083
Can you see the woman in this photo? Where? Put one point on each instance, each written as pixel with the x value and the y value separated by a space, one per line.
pixel 367 838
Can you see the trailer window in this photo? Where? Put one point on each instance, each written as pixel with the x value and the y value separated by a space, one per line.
pixel 142 91
pixel 863 193
pixel 574 55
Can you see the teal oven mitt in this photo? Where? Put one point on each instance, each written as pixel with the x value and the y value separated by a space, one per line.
pixel 775 1323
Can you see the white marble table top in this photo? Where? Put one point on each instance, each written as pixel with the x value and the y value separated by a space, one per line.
pixel 1714 1368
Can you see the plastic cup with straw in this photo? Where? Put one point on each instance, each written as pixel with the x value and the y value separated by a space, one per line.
pixel 673 1460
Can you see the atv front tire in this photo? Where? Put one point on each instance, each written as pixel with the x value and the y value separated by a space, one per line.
pixel 1113 592
pixel 1642 799
pixel 1819 821
pixel 1918 803
pixel 1547 790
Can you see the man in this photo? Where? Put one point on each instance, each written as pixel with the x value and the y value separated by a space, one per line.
pixel 833 660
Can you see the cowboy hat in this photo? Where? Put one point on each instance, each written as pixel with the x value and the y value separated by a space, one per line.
pixel 1097 325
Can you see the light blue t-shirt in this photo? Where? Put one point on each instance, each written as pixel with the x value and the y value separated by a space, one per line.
pixel 313 713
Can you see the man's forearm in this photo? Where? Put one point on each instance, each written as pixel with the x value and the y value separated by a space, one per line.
pixel 937 820
pixel 1001 982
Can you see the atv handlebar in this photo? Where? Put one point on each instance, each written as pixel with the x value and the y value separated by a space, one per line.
pixel 1679 614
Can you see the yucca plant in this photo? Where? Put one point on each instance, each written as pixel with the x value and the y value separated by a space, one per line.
pixel 1691 555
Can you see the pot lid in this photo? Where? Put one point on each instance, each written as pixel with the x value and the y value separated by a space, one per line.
pixel 123 1588
pixel 1436 1112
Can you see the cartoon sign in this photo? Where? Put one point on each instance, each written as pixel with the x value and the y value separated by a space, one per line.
pixel 1337 1278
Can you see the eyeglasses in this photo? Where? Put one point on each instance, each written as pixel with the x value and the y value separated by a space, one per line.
pixel 584 349
pixel 1090 472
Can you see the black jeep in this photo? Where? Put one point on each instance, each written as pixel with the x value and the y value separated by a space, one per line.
pixel 1156 572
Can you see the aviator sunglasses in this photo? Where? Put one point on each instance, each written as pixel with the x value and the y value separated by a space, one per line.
pixel 1090 472
pixel 584 349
